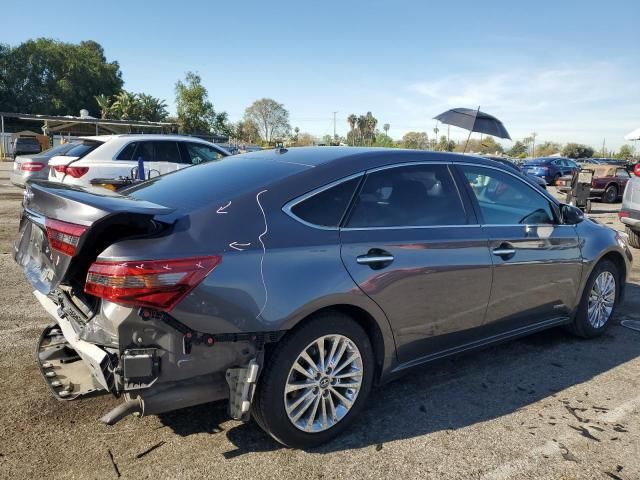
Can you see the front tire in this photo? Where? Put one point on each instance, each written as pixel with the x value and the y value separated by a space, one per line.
pixel 315 382
pixel 599 301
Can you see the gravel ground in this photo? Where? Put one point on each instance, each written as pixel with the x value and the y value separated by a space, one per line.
pixel 546 407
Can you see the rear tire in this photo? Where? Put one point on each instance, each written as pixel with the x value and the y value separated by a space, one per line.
pixel 634 237
pixel 598 303
pixel 610 194
pixel 275 411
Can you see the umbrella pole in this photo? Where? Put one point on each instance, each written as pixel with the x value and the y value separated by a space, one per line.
pixel 471 131
pixel 467 142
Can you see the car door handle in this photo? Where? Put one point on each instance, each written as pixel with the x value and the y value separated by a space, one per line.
pixel 505 251
pixel 375 259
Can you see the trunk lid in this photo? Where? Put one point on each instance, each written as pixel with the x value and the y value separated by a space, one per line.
pixel 63 229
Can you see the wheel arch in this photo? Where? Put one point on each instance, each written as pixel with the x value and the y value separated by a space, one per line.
pixel 376 328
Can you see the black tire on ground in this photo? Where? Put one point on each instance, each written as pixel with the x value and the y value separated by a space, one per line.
pixel 268 407
pixel 634 237
pixel 581 325
pixel 587 208
pixel 610 194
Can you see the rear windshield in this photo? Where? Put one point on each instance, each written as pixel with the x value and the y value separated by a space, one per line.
pixel 59 149
pixel 203 184
pixel 26 141
pixel 82 148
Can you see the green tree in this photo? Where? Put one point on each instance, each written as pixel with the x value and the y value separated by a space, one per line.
pixel 55 78
pixel 577 150
pixel 415 140
pixel 353 121
pixel 487 146
pixel 195 112
pixel 305 140
pixel 246 131
pixel 270 118
pixel 104 104
pixel 384 140
pixel 151 109
pixel 625 152
pixel 125 106
pixel 445 145
pixel 517 150
pixel 547 148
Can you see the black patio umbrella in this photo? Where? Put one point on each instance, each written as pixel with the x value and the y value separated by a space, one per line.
pixel 474 121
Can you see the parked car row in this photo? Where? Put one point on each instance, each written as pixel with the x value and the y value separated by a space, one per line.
pixel 113 156
pixel 290 282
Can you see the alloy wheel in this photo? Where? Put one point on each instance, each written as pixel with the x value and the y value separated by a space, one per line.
pixel 323 383
pixel 601 299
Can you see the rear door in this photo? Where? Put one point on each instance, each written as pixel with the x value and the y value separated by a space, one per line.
pixel 537 261
pixel 412 246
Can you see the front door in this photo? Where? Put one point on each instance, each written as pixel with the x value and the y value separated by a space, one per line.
pixel 410 245
pixel 537 261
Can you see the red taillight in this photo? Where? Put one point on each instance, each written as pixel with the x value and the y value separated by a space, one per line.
pixel 75 172
pixel 64 237
pixel 157 284
pixel 636 170
pixel 31 166
pixel 623 214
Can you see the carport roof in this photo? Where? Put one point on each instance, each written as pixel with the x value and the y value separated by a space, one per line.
pixel 55 123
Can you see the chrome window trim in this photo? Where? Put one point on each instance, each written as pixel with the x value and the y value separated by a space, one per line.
pixel 292 203
pixel 287 208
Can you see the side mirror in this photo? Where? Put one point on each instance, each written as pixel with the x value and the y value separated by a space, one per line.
pixel 571 215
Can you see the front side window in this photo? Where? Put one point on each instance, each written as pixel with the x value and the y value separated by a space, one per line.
pixel 621 172
pixel 506 200
pixel 200 153
pixel 327 207
pixel 409 196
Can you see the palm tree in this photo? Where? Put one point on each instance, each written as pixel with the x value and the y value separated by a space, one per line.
pixel 386 128
pixel 352 119
pixel 371 126
pixel 104 104
pixel 151 108
pixel 362 128
pixel 124 105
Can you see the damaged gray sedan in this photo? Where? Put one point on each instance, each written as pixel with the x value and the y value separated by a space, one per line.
pixel 291 281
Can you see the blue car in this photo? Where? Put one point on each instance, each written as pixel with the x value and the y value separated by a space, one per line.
pixel 550 168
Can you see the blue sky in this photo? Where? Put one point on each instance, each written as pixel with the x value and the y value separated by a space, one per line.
pixel 568 70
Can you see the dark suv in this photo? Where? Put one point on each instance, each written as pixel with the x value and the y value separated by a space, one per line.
pixel 25 146
pixel 550 168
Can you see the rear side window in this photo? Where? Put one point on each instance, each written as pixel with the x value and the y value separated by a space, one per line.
pixel 411 196
pixel 81 149
pixel 326 208
pixel 127 152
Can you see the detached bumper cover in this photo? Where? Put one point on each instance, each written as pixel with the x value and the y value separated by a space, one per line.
pixel 71 367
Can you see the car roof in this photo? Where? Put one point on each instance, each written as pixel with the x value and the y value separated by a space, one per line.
pixel 312 157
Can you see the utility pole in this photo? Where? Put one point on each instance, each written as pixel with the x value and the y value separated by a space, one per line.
pixel 603 152
pixel 334 126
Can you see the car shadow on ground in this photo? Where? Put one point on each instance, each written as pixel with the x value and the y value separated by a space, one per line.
pixel 454 393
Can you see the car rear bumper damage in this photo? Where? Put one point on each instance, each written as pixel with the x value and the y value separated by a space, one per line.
pixel 149 374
